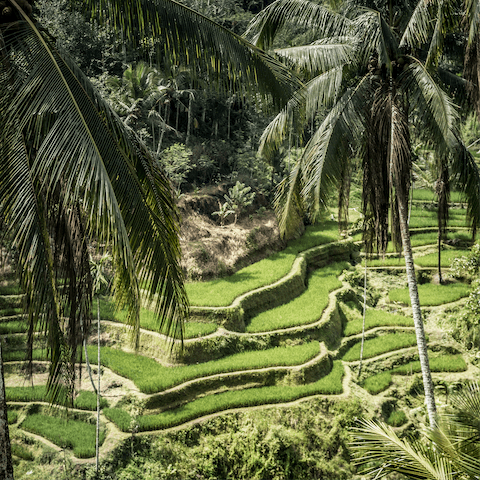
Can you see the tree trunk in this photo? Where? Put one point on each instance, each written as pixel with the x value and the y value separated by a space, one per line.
pixel 417 314
pixel 6 466
pixel 97 439
pixel 440 278
pixel 364 315
pixel 189 121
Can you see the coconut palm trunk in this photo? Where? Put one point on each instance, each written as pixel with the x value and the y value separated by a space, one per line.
pixel 416 312
pixel 400 164
pixel 6 467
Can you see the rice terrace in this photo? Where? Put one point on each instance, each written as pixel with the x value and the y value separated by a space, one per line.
pixel 284 330
pixel 239 240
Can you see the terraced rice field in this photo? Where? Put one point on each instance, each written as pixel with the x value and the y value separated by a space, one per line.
pixel 305 347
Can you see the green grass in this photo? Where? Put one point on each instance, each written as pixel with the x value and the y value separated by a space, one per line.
pixel 331 384
pixel 445 363
pixel 306 308
pixel 151 377
pixel 421 218
pixel 19 355
pixel 431 294
pixel 222 292
pixel 10 289
pixel 431 260
pixel 15 326
pixel 84 401
pixel 424 195
pixel 397 418
pixel 392 261
pixel 21 452
pixel 378 345
pixel 73 434
pixel 148 319
pixel 12 416
pixel 376 318
pixel 377 383
pixel 6 312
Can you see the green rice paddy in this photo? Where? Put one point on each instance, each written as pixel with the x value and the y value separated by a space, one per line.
pixel 306 308
pixel 151 377
pixel 330 384
pixel 431 295
pixel 222 291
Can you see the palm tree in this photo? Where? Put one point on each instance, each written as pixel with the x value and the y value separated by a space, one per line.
pixel 451 450
pixel 70 171
pixel 368 90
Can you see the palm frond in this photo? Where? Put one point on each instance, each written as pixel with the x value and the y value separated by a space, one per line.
pixel 467 176
pixel 434 107
pixel 379 444
pixel 314 16
pixel 322 91
pixel 326 151
pixel 418 28
pixel 75 144
pixel 472 15
pixel 288 203
pixel 178 33
pixel 321 55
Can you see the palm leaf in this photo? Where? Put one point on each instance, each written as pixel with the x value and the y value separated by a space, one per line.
pixel 75 143
pixel 321 55
pixel 328 149
pixel 434 108
pixel 314 16
pixel 321 91
pixel 182 34
pixel 380 445
pixel 418 28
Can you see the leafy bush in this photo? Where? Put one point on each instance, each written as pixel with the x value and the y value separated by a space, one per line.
pixel 12 416
pixel 21 452
pixel 397 418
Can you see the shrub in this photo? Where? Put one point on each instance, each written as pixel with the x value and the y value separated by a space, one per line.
pixel 21 452
pixel 397 418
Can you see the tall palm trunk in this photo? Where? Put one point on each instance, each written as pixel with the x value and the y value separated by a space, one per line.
pixel 97 437
pixel 6 466
pixel 364 316
pixel 189 121
pixel 400 163
pixel 417 314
